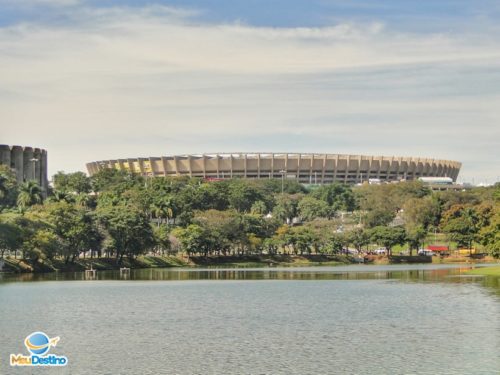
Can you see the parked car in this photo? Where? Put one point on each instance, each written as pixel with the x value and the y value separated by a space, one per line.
pixel 426 252
pixel 380 251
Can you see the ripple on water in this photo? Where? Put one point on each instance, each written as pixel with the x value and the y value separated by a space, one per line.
pixel 258 327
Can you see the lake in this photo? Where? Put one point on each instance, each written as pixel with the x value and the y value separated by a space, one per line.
pixel 359 319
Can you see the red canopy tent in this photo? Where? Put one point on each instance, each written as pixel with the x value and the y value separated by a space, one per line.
pixel 438 248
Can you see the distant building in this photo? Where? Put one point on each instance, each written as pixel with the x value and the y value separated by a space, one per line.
pixel 442 183
pixel 305 168
pixel 28 163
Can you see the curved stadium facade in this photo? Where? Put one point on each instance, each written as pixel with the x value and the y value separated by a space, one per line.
pixel 306 168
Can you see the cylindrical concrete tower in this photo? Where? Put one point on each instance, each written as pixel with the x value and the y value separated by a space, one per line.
pixel 27 163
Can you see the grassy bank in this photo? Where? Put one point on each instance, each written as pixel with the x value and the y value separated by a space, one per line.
pixel 271 260
pixel 103 264
pixel 100 264
pixel 485 271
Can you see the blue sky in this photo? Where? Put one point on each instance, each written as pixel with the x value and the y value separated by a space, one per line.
pixel 91 80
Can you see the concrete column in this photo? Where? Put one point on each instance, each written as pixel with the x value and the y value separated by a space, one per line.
pixel 218 164
pixel 400 161
pixel 44 181
pixel 380 162
pixel 18 158
pixel 335 168
pixel 190 165
pixel 311 168
pixel 245 165
pixel 141 166
pixel 176 164
pixel 348 161
pixel 358 177
pixel 258 165
pixel 28 165
pixel 152 166
pixel 323 170
pixel 38 166
pixel 298 166
pixel 5 155
pixel 391 164
pixel 272 165
pixel 165 165
pixel 231 165
pixel 370 164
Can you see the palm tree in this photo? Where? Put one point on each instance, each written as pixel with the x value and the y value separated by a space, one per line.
pixel 83 200
pixel 60 196
pixel 163 208
pixel 30 193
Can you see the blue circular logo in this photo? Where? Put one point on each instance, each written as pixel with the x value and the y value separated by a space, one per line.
pixel 37 343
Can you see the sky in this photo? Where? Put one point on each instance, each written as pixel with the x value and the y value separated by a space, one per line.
pixel 101 79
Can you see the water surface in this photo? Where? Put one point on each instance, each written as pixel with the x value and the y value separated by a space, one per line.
pixel 418 319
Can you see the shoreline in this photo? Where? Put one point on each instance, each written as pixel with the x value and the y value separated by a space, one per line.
pixel 12 265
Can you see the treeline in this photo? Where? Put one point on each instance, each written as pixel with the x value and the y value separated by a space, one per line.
pixel 117 214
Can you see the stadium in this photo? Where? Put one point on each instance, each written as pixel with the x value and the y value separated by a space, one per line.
pixel 306 168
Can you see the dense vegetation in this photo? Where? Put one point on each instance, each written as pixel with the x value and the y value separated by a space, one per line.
pixel 115 214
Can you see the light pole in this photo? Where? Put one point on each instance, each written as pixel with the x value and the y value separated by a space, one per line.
pixel 282 181
pixel 34 160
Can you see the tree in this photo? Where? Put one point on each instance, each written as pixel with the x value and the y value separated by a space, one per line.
pixel 77 182
pixel 30 193
pixel 8 187
pixel 259 208
pixel 378 217
pixel 286 206
pixel 163 208
pixel 339 197
pixel 302 239
pixel 358 238
pixel 10 237
pixel 243 195
pixel 462 224
pixel 129 229
pixel 415 236
pixel 162 238
pixel 490 237
pixel 73 224
pixel 388 237
pixel 335 243
pixel 192 239
pixel 421 212
pixel 311 208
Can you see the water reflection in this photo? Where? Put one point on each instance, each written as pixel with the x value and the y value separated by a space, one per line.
pixel 406 273
pixel 399 319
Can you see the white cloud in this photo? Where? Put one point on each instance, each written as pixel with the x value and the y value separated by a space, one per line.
pixel 126 82
pixel 34 3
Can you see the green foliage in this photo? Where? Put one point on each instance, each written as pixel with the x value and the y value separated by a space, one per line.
pixel 8 187
pixel 122 214
pixel 489 235
pixel 243 195
pixel 462 224
pixel 310 208
pixel 358 238
pixel 388 237
pixel 128 228
pixel 30 193
pixel 77 182
pixel 193 239
pixel 337 196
